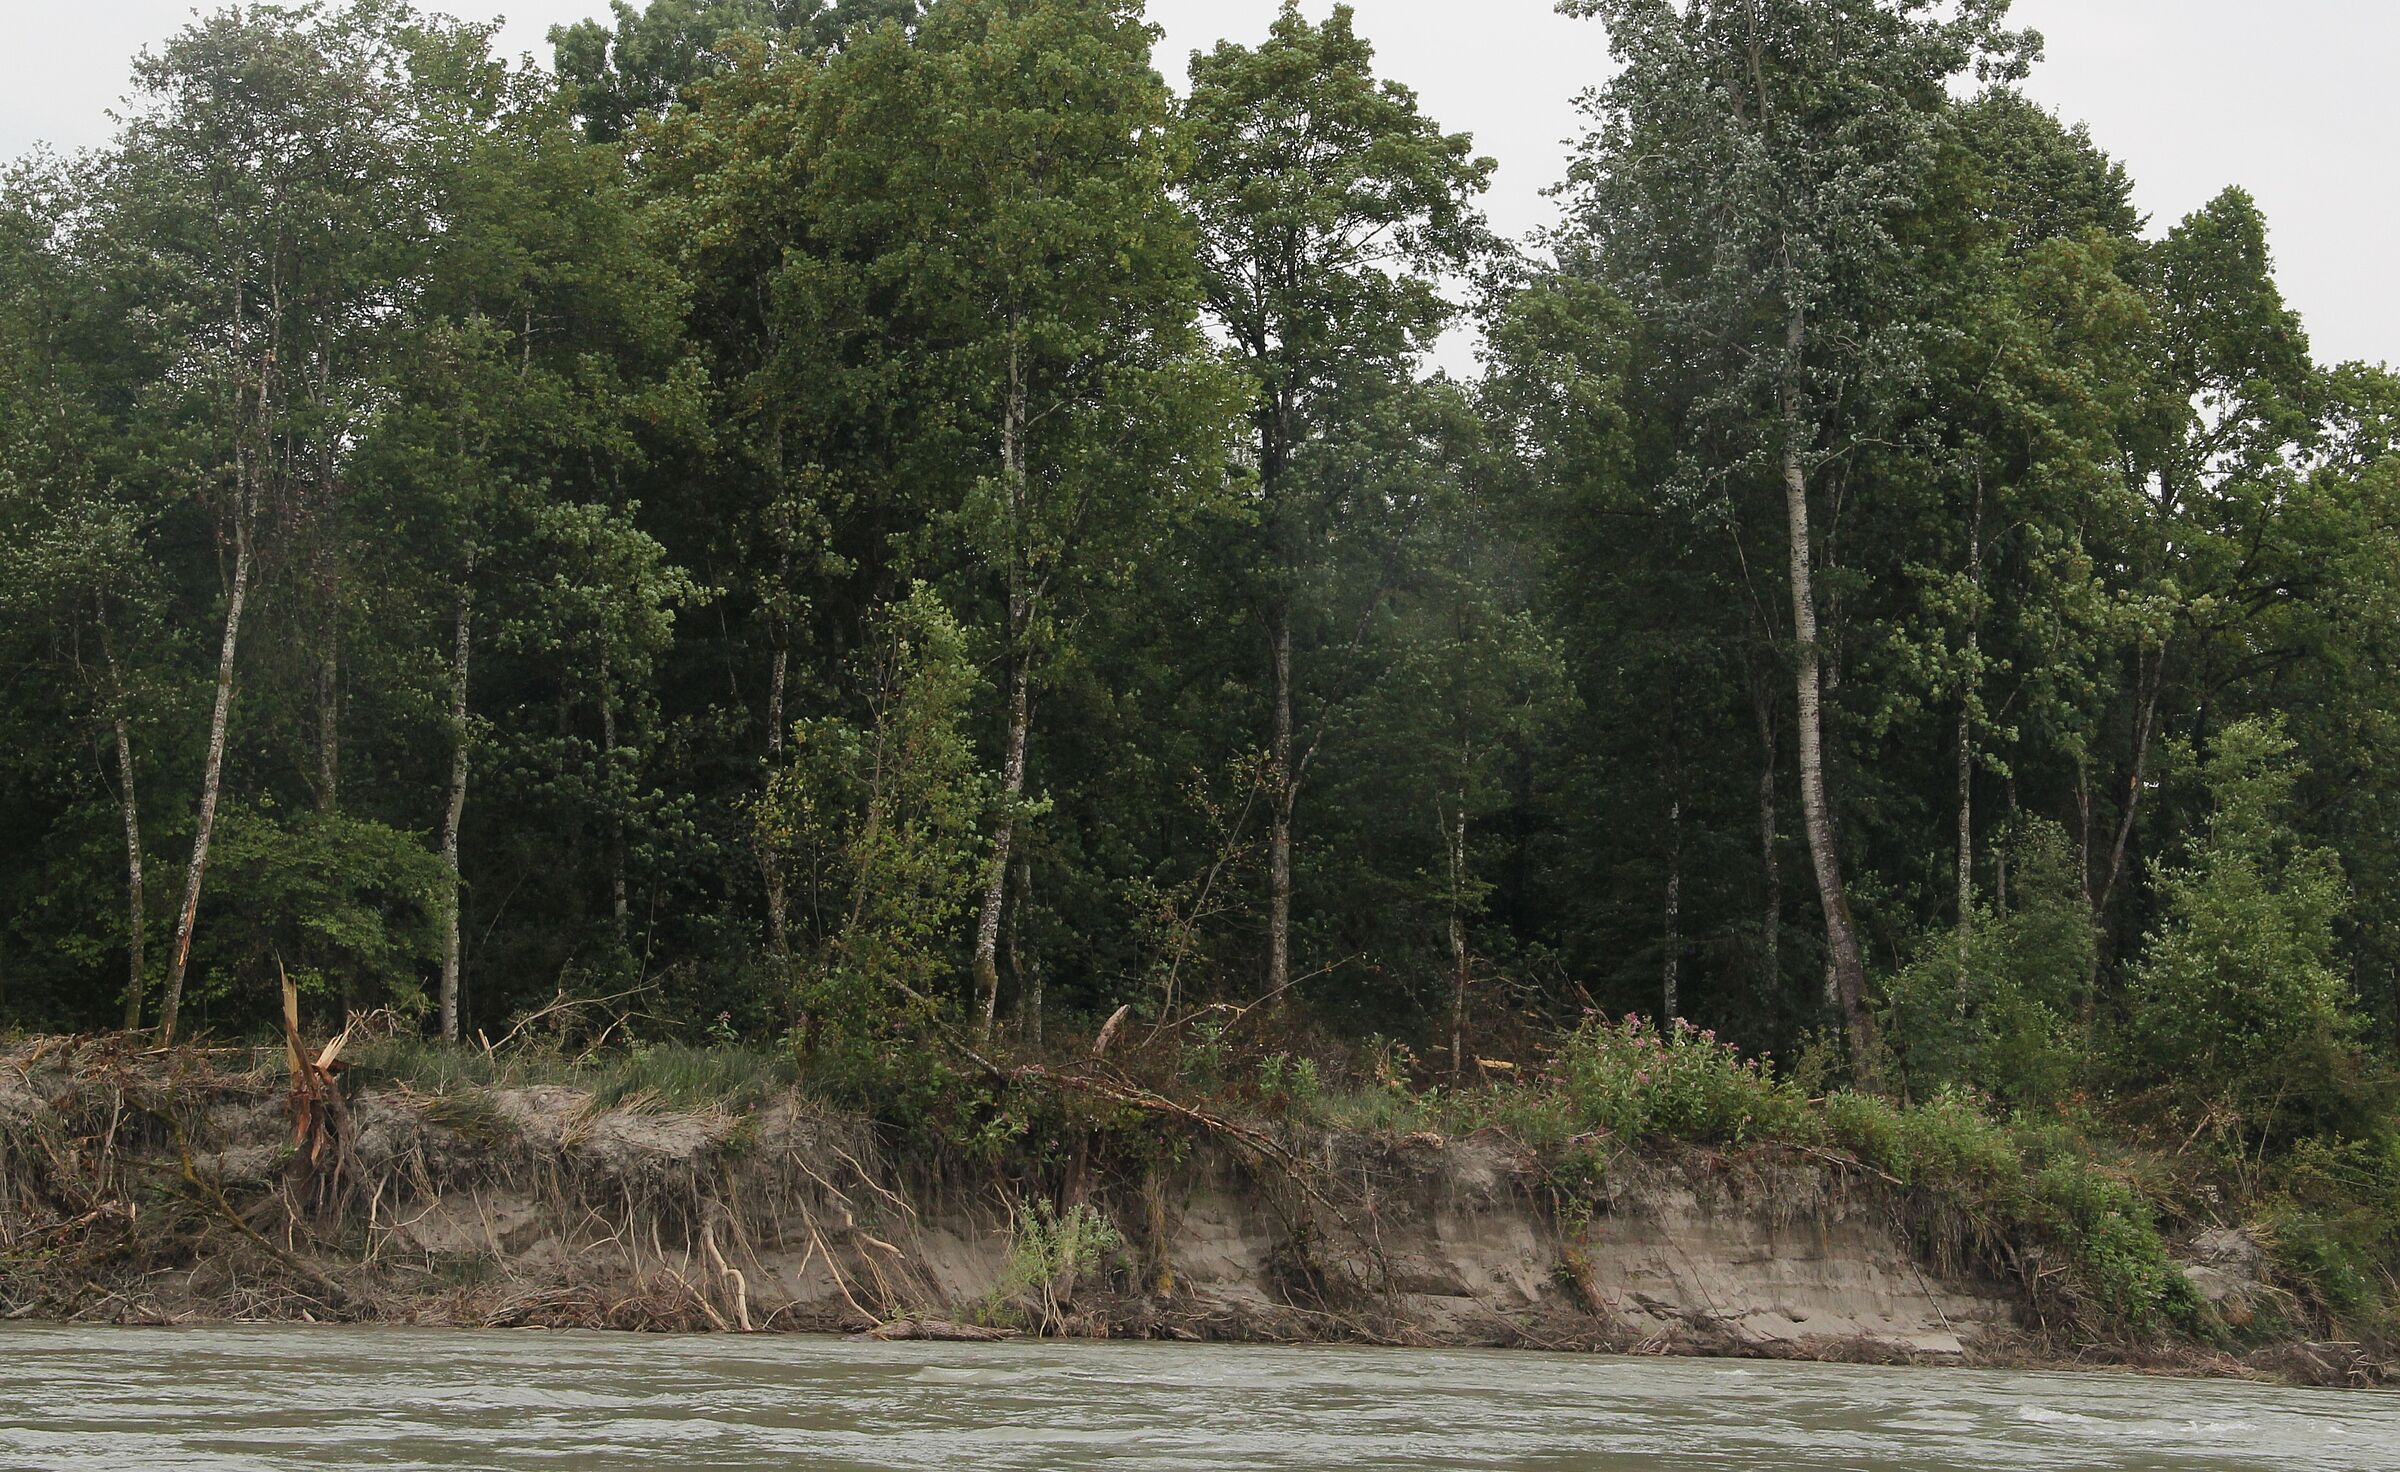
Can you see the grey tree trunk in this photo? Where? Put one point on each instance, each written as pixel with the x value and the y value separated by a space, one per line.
pixel 1029 978
pixel 620 904
pixel 1770 932
pixel 1849 972
pixel 1285 799
pixel 1966 754
pixel 995 885
pixel 771 863
pixel 454 815
pixel 1671 981
pixel 329 700
pixel 135 907
pixel 211 778
pixel 1020 702
pixel 1461 962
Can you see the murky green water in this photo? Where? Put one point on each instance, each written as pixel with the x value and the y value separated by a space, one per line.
pixel 223 1399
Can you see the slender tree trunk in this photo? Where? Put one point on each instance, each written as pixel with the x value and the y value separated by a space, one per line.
pixel 1841 933
pixel 1770 931
pixel 329 697
pixel 1029 978
pixel 1461 962
pixel 454 815
pixel 1020 701
pixel 1671 979
pixel 211 779
pixel 771 863
pixel 136 910
pixel 1286 798
pixel 995 895
pixel 620 905
pixel 1966 750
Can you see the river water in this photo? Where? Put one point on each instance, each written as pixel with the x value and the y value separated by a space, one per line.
pixel 140 1400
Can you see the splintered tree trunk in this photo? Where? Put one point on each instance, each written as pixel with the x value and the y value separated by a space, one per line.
pixel 211 777
pixel 1020 702
pixel 1285 798
pixel 1841 932
pixel 134 906
pixel 454 815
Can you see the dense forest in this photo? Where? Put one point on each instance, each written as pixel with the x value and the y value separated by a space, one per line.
pixel 846 522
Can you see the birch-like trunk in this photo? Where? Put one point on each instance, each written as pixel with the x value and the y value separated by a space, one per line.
pixel 329 696
pixel 454 815
pixel 620 906
pixel 770 862
pixel 1966 753
pixel 135 908
pixel 211 779
pixel 1849 972
pixel 1285 799
pixel 1020 701
pixel 1770 929
pixel 1029 978
pixel 1671 979
pixel 1461 970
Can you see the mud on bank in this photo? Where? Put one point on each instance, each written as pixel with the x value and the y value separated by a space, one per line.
pixel 150 1188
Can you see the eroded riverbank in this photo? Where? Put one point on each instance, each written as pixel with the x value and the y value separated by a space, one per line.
pixel 141 1189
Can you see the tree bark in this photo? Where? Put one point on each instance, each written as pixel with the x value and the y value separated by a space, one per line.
pixel 1020 700
pixel 1285 799
pixel 211 780
pixel 135 908
pixel 1671 979
pixel 1029 977
pixel 620 905
pixel 1770 861
pixel 771 863
pixel 1461 968
pixel 454 815
pixel 1841 932
pixel 329 698
pixel 1966 749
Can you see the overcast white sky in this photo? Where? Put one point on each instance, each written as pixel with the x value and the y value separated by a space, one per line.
pixel 2294 100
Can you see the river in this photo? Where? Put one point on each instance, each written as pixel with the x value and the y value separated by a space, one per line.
pixel 232 1399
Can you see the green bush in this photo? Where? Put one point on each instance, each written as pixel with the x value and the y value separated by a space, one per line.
pixel 1637 1083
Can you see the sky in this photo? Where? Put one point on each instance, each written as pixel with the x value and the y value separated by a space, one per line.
pixel 2291 99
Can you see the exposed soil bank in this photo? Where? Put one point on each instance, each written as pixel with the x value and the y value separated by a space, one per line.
pixel 148 1188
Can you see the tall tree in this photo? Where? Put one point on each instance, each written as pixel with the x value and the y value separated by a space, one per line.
pixel 1747 186
pixel 1330 211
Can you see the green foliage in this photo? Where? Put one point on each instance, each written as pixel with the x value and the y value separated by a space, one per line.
pixel 1994 1005
pixel 1639 1083
pixel 881 828
pixel 345 905
pixel 708 516
pixel 1053 1253
pixel 2240 1002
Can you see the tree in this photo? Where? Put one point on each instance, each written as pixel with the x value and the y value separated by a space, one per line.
pixel 2239 998
pixel 1746 187
pixel 654 55
pixel 1330 209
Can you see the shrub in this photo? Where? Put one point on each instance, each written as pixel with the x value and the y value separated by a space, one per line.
pixel 1051 1254
pixel 1637 1083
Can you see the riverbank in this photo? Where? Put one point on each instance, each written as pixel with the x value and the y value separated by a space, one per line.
pixel 150 1188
